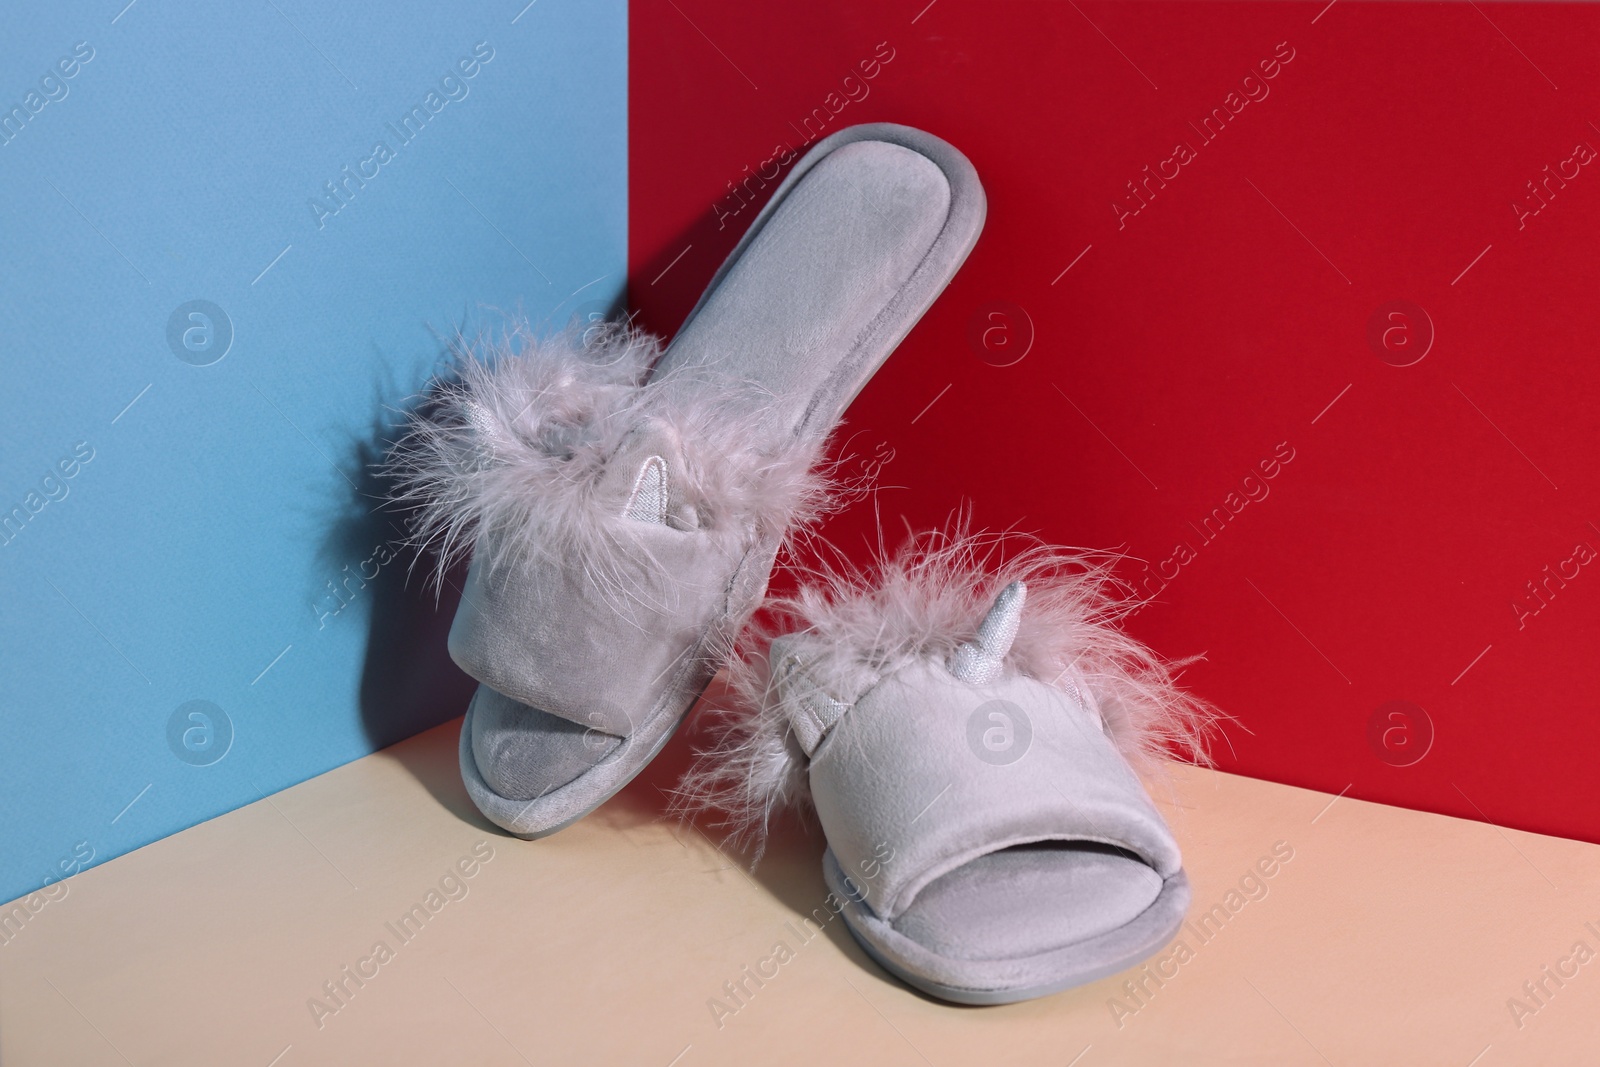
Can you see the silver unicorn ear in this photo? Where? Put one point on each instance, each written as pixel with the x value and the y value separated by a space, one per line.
pixel 648 501
pixel 1068 679
pixel 811 711
pixel 980 661
pixel 485 430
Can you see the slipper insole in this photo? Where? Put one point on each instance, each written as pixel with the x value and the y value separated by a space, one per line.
pixel 1022 901
pixel 524 753
pixel 836 252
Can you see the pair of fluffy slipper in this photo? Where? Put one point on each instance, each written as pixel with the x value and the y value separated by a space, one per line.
pixel 963 733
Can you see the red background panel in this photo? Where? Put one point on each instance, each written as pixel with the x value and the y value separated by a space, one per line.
pixel 1172 351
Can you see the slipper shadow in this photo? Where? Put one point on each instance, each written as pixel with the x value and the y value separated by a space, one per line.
pixel 408 682
pixel 790 866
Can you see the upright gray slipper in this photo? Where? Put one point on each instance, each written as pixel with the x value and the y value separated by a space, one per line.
pixel 623 506
pixel 966 741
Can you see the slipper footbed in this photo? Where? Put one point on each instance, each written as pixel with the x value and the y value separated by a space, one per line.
pixel 1028 899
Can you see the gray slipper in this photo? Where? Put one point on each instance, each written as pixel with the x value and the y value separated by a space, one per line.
pixel 624 506
pixel 965 742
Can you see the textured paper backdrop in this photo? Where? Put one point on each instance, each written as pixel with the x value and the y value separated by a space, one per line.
pixel 1327 364
pixel 214 285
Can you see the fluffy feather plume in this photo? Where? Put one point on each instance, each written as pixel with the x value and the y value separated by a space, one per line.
pixel 507 458
pixel 857 626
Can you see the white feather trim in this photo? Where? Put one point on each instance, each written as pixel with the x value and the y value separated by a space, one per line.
pixel 507 457
pixel 857 626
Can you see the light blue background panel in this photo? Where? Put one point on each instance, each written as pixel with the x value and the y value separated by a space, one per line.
pixel 217 290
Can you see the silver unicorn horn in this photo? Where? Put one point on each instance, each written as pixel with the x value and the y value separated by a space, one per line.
pixel 981 660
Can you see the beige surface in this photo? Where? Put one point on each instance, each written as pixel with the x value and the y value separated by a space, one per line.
pixel 1389 937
